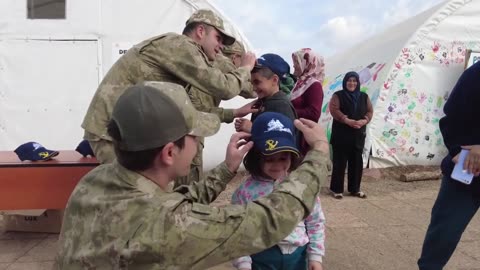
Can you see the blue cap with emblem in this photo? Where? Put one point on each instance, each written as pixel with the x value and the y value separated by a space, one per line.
pixel 34 151
pixel 275 63
pixel 274 132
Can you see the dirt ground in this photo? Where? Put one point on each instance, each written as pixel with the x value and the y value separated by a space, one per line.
pixel 391 174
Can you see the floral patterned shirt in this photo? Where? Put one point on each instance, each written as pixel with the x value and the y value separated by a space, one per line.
pixel 311 231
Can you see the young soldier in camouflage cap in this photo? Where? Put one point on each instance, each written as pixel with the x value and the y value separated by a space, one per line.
pixel 120 215
pixel 209 17
pixel 183 59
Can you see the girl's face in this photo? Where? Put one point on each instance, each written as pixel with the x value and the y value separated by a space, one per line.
pixel 352 84
pixel 277 165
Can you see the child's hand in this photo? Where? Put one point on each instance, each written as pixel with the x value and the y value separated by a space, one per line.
pixel 314 265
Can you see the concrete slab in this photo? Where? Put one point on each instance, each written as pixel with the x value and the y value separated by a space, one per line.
pixel 4 266
pixel 31 266
pixel 22 235
pixel 44 251
pixel 11 250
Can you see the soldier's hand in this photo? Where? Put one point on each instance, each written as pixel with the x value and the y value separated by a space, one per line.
pixel 242 124
pixel 245 109
pixel 236 150
pixel 313 134
pixel 248 60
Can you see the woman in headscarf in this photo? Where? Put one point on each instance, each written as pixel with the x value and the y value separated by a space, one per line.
pixel 307 94
pixel 351 111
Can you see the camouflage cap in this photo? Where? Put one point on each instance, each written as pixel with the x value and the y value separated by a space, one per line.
pixel 209 17
pixel 236 47
pixel 152 114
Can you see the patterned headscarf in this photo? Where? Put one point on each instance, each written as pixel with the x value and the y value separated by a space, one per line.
pixel 312 69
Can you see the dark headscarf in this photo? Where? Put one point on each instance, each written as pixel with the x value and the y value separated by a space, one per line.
pixel 356 93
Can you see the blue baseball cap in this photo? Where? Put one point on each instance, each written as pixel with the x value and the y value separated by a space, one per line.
pixel 275 63
pixel 85 149
pixel 273 133
pixel 34 151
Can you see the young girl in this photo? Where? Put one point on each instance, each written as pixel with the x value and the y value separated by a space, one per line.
pixel 273 156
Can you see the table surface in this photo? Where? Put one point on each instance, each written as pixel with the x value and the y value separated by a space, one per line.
pixel 64 158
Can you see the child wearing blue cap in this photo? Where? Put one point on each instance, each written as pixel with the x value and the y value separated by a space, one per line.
pixel 272 157
pixel 267 74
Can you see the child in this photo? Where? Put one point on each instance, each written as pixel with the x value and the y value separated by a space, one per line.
pixel 269 71
pixel 272 157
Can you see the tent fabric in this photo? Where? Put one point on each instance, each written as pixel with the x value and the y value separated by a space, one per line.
pixel 50 69
pixel 408 71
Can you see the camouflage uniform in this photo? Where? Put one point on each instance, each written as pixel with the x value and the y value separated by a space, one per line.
pixel 206 102
pixel 117 219
pixel 169 58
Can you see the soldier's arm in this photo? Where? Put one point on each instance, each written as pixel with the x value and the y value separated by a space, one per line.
pixel 206 103
pixel 188 62
pixel 216 235
pixel 213 183
pixel 225 115
pixel 225 65
pixel 248 93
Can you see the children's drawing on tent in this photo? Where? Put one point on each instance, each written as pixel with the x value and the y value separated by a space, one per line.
pixel 416 111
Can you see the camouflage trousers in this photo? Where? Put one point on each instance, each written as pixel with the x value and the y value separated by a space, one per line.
pixel 196 168
pixel 103 150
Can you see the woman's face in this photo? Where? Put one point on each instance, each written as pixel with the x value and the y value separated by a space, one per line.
pixel 352 84
pixel 297 70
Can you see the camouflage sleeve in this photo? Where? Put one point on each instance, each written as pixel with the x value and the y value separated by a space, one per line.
pixel 225 65
pixel 206 103
pixel 248 93
pixel 225 115
pixel 217 234
pixel 188 62
pixel 213 183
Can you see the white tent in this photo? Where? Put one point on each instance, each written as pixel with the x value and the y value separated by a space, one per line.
pixel 50 68
pixel 408 71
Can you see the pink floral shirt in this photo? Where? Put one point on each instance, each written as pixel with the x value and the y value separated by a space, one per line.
pixel 311 231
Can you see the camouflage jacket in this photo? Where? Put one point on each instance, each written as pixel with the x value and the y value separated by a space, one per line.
pixel 168 58
pixel 206 102
pixel 118 219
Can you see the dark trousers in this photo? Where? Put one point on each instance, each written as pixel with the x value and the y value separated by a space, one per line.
pixel 274 259
pixel 343 155
pixel 454 208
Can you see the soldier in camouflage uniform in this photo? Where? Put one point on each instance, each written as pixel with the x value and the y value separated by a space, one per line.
pixel 206 102
pixel 185 59
pixel 120 215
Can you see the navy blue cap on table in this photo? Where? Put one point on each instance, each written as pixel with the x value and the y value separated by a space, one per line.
pixel 273 133
pixel 34 151
pixel 85 149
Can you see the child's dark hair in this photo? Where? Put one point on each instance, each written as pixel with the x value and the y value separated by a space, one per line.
pixel 254 159
pixel 265 72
